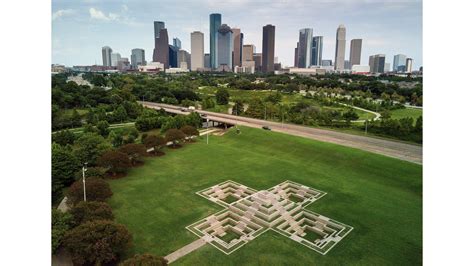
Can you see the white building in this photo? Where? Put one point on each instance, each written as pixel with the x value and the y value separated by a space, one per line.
pixel 151 67
pixel 360 69
pixel 197 50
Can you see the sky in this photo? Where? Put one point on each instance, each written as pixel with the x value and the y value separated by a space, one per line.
pixel 80 28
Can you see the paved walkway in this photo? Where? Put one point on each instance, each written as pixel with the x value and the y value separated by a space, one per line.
pixel 185 250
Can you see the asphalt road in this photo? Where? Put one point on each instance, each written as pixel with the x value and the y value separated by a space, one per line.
pixel 395 149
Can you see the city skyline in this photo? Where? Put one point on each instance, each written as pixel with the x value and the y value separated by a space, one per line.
pixel 81 29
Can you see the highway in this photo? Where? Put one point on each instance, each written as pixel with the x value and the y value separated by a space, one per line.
pixel 395 149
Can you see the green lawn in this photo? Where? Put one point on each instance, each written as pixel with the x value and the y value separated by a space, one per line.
pixel 406 112
pixel 379 196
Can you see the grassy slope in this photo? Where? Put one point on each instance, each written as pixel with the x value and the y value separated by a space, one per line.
pixel 406 112
pixel 379 196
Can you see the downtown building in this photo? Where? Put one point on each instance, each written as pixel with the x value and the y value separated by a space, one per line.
pixel 340 48
pixel 355 52
pixel 304 48
pixel 399 63
pixel 197 50
pixel 225 47
pixel 237 52
pixel 161 50
pixel 215 21
pixel 317 51
pixel 137 58
pixel 268 48
pixel 106 56
pixel 377 63
pixel 409 65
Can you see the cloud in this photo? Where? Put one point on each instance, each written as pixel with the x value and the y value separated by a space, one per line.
pixel 99 15
pixel 61 13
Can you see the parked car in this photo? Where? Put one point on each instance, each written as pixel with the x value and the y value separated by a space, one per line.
pixel 183 110
pixel 266 128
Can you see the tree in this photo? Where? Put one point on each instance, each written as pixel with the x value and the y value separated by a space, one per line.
pixel 145 260
pixel 76 119
pixel 116 139
pixel 134 151
pixel 63 166
pixel 190 132
pixel 64 137
pixel 103 128
pixel 114 161
pixel 274 97
pixel 61 222
pixel 238 108
pixel 222 96
pixel 120 114
pixel 174 135
pixel 385 114
pixel 155 142
pixel 87 211
pixel 350 115
pixel 419 124
pixel 97 243
pixel 96 190
pixel 89 147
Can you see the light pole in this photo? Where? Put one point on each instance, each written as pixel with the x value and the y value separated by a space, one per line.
pixel 84 169
pixel 207 127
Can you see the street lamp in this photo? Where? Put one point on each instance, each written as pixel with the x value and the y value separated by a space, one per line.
pixel 84 169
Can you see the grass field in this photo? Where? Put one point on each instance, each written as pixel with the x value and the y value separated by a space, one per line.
pixel 406 112
pixel 379 196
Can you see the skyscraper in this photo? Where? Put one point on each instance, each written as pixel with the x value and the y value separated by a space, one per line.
pixel 158 26
pixel 161 51
pixel 197 50
pixel 137 58
pixel 304 49
pixel 257 57
pixel 317 51
pixel 247 52
pixel 377 63
pixel 215 23
pixel 106 56
pixel 268 48
pixel 225 46
pixel 207 60
pixel 399 63
pixel 296 54
pixel 177 43
pixel 237 53
pixel 356 50
pixel 173 55
pixel 409 65
pixel 184 59
pixel 340 48
pixel 114 58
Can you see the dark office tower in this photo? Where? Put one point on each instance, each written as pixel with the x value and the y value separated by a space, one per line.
pixel 296 54
pixel 215 23
pixel 268 48
pixel 173 55
pixel 237 52
pixel 258 61
pixel 241 47
pixel 377 63
pixel 161 51
pixel 304 49
pixel 356 50
pixel 207 61
pixel 317 51
pixel 177 43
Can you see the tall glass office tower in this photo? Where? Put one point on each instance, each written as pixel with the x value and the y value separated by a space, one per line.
pixel 225 46
pixel 215 22
pixel 317 51
pixel 399 63
pixel 304 50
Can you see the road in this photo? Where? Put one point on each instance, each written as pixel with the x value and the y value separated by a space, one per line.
pixel 395 149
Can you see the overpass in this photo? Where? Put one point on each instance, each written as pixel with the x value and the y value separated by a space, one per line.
pixel 394 149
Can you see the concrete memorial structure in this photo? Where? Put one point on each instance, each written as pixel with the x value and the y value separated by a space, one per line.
pixel 249 213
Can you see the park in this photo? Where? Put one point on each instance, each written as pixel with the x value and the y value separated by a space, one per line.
pixel 379 197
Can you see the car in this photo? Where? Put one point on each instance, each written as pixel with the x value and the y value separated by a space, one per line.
pixel 183 110
pixel 266 128
pixel 203 115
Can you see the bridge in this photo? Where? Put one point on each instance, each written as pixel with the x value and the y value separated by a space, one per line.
pixel 390 148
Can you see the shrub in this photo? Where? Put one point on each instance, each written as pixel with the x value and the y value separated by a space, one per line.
pixel 60 224
pixel 64 137
pixel 97 242
pixel 96 190
pixel 190 131
pixel 156 142
pixel 92 172
pixel 63 166
pixel 114 161
pixel 89 211
pixel 145 260
pixel 174 135
pixel 134 151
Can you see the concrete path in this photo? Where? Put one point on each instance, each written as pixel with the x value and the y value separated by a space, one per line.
pixel 377 115
pixel 185 250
